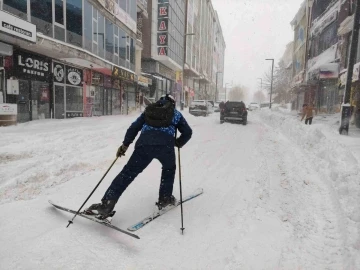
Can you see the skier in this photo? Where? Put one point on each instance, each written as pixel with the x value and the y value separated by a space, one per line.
pixel 158 125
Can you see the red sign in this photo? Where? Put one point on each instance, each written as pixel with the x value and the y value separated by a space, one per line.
pixel 162 50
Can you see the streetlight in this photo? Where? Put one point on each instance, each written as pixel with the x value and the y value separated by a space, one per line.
pixel 216 87
pixel 272 76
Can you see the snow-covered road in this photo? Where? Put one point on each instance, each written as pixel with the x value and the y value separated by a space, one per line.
pixel 266 205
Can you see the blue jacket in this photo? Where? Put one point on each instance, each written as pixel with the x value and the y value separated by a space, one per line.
pixel 158 136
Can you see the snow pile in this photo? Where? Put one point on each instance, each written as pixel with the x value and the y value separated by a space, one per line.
pixel 335 162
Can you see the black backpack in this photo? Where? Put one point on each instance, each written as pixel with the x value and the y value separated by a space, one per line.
pixel 159 114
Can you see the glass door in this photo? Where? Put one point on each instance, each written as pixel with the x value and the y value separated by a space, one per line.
pixel 23 101
pixel 59 102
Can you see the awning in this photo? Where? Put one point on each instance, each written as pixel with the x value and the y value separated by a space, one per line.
pixel 346 26
pixel 329 71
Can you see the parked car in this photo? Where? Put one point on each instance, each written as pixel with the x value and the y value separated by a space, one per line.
pixel 234 111
pixel 216 107
pixel 253 106
pixel 201 108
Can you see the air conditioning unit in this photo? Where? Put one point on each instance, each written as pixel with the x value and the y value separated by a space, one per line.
pixel 12 87
pixel 90 91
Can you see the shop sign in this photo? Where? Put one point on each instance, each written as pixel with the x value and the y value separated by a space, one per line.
pixel 74 76
pixel 162 30
pixel 356 72
pixel 31 66
pixel 123 74
pixel 8 109
pixel 74 114
pixel 59 72
pixel 17 27
pixel 163 51
pixel 97 79
pixel 143 81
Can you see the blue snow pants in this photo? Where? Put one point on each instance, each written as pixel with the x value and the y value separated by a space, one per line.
pixel 139 160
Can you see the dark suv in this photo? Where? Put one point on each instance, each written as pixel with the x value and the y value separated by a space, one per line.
pixel 234 111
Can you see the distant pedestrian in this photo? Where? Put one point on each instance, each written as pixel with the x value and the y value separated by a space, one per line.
pixel 308 113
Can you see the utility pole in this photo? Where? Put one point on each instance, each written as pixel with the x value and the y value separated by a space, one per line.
pixel 272 78
pixel 346 106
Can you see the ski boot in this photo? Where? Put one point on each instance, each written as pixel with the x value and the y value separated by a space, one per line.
pixel 165 201
pixel 102 211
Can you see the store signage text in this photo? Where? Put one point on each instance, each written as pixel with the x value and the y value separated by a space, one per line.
pixel 74 76
pixel 74 114
pixel 30 66
pixel 59 72
pixel 163 25
pixel 17 27
pixel 123 74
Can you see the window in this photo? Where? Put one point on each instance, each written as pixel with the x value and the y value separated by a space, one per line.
pixel 116 45
pixel 133 10
pixel 132 51
pixel 74 22
pixel 59 11
pixel 122 47
pixel 74 99
pixel 88 21
pixel 123 4
pixel 101 35
pixel 16 7
pixel 41 16
pixel 109 41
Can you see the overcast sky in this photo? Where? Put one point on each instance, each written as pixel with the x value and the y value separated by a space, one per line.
pixel 254 30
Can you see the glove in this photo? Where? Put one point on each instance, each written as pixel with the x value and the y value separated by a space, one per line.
pixel 177 144
pixel 121 151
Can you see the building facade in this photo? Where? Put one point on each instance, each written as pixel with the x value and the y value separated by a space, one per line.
pixel 205 53
pixel 62 59
pixel 163 39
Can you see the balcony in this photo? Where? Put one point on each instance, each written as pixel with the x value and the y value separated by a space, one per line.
pixel 142 7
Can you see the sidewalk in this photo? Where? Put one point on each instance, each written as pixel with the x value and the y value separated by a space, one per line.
pixel 335 157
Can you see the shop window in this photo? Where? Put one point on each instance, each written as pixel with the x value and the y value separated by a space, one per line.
pixel 88 21
pixel 16 7
pixel 74 22
pixel 109 41
pixel 101 35
pixel 74 99
pixel 41 16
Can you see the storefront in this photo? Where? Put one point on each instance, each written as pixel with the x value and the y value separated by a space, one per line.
pixel 128 88
pixel 144 85
pixel 28 85
pixel 67 91
pixel 106 95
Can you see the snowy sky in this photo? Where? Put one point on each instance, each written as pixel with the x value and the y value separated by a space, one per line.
pixel 254 30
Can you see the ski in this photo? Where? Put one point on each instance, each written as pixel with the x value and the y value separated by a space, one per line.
pixel 150 218
pixel 94 219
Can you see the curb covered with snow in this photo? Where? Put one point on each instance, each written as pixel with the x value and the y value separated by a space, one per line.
pixel 335 163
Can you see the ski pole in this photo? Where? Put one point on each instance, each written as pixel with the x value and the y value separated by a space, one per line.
pixel 71 221
pixel 181 206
